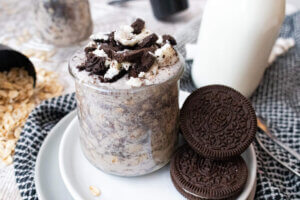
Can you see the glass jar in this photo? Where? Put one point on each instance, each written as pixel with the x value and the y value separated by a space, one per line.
pixel 128 132
pixel 63 22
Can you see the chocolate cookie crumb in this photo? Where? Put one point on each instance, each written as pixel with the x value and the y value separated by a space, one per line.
pixel 89 49
pixel 109 49
pixel 148 41
pixel 138 26
pixel 133 71
pixel 170 39
pixel 129 56
pixel 146 61
pixel 94 65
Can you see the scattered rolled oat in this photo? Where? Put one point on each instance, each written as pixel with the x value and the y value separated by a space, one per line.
pixel 39 54
pixel 95 191
pixel 17 99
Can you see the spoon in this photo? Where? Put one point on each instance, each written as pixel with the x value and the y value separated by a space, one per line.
pixel 263 126
pixel 10 58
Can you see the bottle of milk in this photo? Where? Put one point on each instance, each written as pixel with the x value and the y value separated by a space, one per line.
pixel 235 40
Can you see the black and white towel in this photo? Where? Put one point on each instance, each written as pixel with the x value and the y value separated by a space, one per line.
pixel 277 99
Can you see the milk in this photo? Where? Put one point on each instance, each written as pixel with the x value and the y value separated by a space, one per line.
pixel 235 41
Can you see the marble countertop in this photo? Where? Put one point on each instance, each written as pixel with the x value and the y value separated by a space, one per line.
pixel 18 31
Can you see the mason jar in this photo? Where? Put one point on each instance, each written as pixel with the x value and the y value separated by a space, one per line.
pixel 63 22
pixel 128 132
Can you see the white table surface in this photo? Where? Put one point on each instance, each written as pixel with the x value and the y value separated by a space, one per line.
pixel 16 19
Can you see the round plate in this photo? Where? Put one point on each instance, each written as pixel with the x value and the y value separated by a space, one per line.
pixel 78 174
pixel 48 182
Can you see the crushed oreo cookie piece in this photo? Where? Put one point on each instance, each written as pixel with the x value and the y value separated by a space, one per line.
pixel 148 41
pixel 115 78
pixel 140 57
pixel 109 49
pixel 100 37
pixel 133 56
pixel 170 39
pixel 81 67
pixel 94 65
pixel 138 26
pixel 133 71
pixel 89 49
pixel 146 61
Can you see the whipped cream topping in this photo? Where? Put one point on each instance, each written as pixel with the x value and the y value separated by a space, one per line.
pixel 99 36
pixel 132 52
pixel 125 36
pixel 100 53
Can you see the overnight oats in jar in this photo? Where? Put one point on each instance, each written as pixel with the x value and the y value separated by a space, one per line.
pixel 127 87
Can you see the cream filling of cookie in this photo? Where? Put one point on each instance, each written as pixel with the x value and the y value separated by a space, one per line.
pixel 126 65
pixel 160 40
pixel 194 194
pixel 166 55
pixel 114 69
pixel 125 35
pixel 135 82
pixel 99 36
pixel 100 53
pixel 91 43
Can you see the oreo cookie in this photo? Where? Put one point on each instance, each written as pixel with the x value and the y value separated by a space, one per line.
pixel 198 178
pixel 138 26
pixel 148 41
pixel 170 39
pixel 218 122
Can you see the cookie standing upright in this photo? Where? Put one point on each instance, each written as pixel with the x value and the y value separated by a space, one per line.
pixel 218 122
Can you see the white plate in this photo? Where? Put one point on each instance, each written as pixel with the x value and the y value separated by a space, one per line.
pixel 78 174
pixel 48 182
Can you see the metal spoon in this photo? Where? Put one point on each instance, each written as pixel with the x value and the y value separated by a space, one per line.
pixel 10 58
pixel 263 126
pixel 275 158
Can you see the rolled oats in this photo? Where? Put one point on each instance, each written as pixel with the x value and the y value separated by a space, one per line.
pixel 17 99
pixel 95 191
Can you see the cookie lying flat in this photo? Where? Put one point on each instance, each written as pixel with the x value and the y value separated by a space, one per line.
pixel 218 122
pixel 199 178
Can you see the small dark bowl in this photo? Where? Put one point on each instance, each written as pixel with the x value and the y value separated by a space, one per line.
pixel 10 58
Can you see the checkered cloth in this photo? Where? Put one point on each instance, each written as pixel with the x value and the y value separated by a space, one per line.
pixel 277 99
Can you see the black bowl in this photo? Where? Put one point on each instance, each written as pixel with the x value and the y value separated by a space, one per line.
pixel 10 58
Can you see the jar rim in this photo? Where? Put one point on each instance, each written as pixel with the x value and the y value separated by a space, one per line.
pixel 176 77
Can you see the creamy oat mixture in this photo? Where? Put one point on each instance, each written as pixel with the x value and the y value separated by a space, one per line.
pixel 133 130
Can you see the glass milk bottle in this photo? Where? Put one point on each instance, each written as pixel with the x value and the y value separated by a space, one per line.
pixel 235 40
